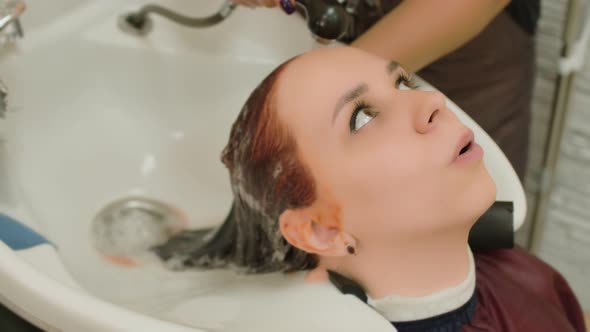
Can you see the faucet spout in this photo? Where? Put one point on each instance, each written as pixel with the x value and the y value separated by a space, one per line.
pixel 139 23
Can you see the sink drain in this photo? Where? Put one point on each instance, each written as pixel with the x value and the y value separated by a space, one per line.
pixel 131 226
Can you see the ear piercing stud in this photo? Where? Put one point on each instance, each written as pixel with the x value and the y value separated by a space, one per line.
pixel 350 249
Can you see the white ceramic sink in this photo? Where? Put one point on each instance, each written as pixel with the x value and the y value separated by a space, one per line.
pixel 98 115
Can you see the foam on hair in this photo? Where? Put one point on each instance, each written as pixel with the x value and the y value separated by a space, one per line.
pixel 267 177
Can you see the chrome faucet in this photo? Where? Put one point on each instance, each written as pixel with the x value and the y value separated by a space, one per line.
pixel 10 27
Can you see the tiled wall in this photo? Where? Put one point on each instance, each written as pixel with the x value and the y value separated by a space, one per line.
pixel 566 235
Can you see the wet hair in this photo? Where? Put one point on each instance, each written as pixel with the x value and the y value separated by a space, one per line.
pixel 267 177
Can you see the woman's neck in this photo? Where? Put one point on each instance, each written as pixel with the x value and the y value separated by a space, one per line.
pixel 414 268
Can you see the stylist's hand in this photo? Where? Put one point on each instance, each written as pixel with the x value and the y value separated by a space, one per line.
pixel 257 3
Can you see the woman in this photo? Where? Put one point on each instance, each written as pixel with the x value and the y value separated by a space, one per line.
pixel 337 165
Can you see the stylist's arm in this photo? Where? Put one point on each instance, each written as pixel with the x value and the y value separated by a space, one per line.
pixel 418 32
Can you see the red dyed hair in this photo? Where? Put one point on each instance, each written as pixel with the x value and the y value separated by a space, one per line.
pixel 267 178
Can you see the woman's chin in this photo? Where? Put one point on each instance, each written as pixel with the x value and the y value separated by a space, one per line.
pixel 490 185
pixel 484 194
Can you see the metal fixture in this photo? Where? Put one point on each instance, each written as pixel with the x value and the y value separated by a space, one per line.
pixel 133 225
pixel 336 20
pixel 576 36
pixel 327 20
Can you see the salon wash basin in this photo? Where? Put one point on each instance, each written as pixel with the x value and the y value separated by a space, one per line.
pixel 97 115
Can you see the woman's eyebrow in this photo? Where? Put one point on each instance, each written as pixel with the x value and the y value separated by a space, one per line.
pixel 349 96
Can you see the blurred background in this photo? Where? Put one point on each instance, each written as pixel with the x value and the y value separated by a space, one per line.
pixel 558 179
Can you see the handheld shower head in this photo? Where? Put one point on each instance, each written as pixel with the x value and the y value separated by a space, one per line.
pixel 327 20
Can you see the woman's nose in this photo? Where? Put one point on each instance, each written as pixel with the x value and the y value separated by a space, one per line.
pixel 427 113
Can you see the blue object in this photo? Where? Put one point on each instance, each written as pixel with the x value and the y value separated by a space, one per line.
pixel 18 236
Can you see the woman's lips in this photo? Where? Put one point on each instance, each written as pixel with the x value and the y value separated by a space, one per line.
pixel 466 149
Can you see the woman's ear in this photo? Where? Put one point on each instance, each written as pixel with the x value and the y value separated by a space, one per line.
pixel 300 230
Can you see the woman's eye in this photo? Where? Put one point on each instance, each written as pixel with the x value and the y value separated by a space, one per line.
pixel 360 117
pixel 405 83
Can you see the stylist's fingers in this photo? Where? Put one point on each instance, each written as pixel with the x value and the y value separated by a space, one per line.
pixel 270 3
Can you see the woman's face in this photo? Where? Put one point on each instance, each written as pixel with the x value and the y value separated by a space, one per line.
pixel 385 158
